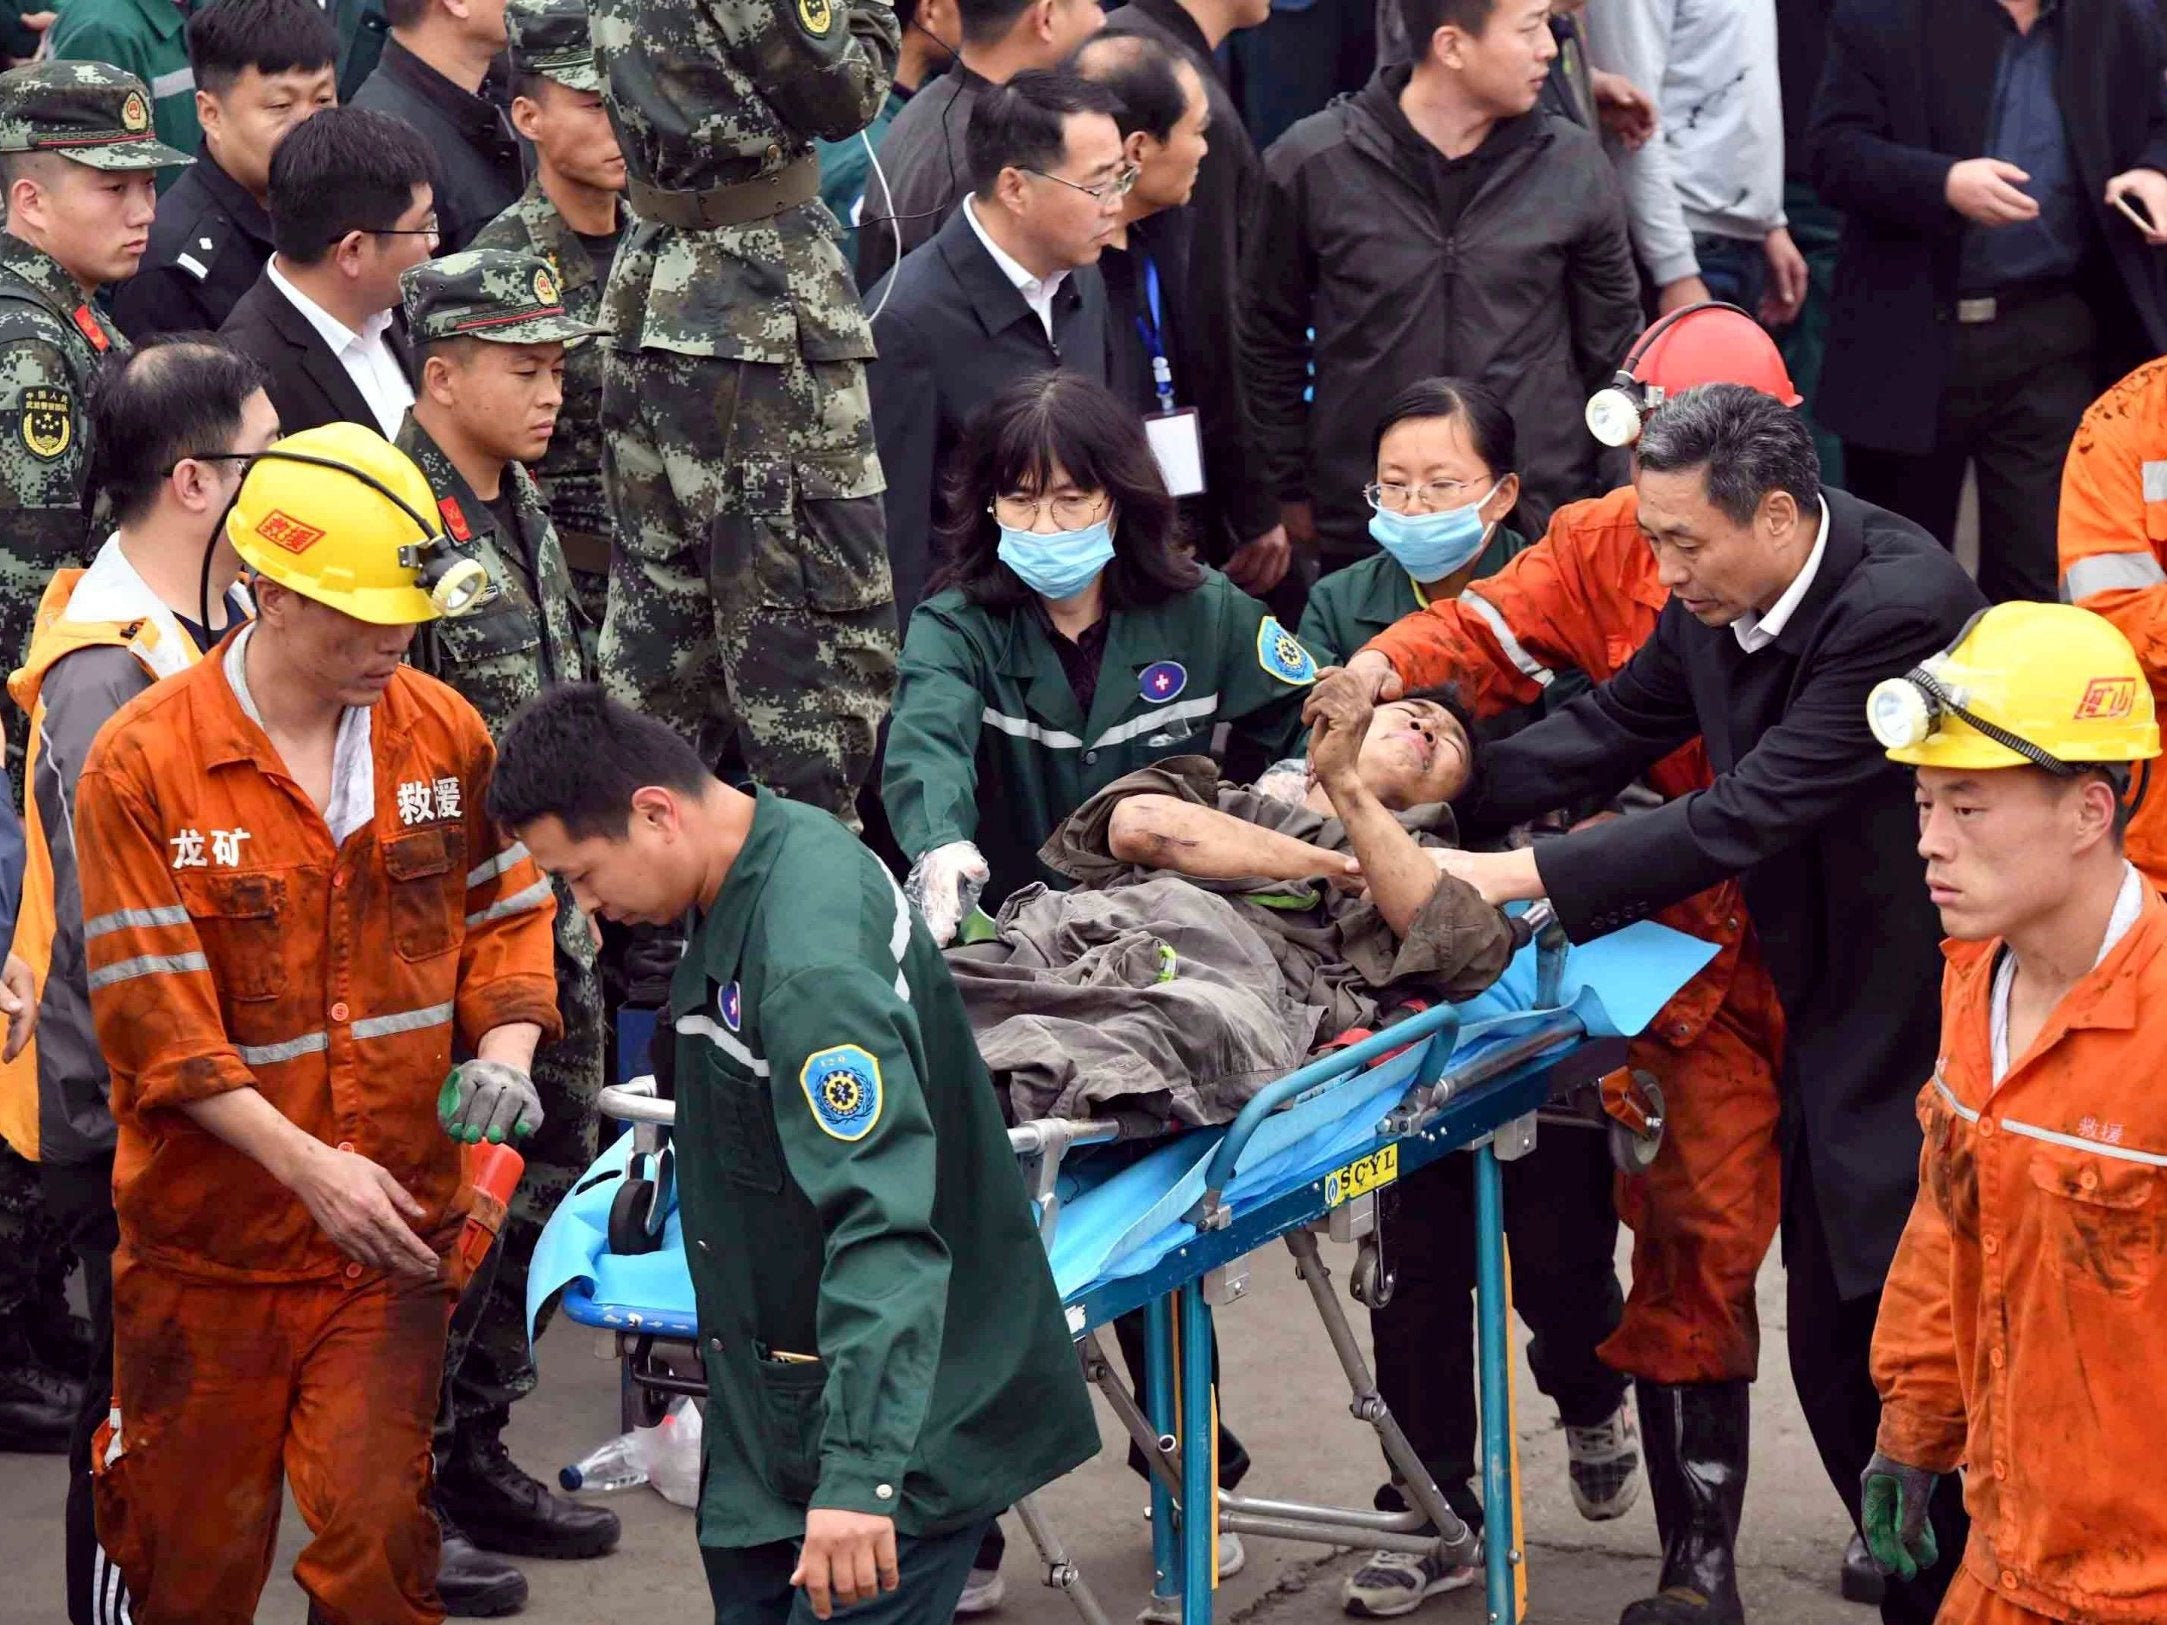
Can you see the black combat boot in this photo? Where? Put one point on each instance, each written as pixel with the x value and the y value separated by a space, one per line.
pixel 473 1584
pixel 1695 1438
pixel 502 1509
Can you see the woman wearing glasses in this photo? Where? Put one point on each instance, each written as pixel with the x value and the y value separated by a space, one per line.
pixel 1445 453
pixel 1069 639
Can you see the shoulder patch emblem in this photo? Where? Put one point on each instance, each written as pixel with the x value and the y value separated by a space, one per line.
pixel 1281 653
pixel 730 1005
pixel 46 421
pixel 842 1084
pixel 1162 680
pixel 818 16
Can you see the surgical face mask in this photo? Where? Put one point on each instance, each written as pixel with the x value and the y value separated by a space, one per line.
pixel 1430 546
pixel 1060 565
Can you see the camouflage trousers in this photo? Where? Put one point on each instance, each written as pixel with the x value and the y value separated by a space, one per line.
pixel 34 1259
pixel 750 604
pixel 489 1363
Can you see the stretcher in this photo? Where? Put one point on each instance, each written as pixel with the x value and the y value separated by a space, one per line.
pixel 1169 1229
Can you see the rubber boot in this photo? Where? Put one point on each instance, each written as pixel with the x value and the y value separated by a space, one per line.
pixel 502 1509
pixel 1695 1437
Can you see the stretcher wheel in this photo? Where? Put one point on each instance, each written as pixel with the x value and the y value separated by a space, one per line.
pixel 628 1211
pixel 1371 1283
pixel 1631 1152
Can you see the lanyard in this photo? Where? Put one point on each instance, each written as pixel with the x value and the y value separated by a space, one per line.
pixel 1150 323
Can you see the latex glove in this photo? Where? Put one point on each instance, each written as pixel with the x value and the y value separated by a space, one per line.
pixel 488 1100
pixel 1894 1516
pixel 945 884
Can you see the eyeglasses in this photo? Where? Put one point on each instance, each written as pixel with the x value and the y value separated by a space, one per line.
pixel 1435 496
pixel 1070 512
pixel 428 228
pixel 244 458
pixel 1122 184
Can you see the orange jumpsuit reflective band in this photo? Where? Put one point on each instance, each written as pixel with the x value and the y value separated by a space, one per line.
pixel 2113 543
pixel 2020 1322
pixel 1585 598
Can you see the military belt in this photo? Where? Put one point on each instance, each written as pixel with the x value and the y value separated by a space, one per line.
pixel 585 550
pixel 737 204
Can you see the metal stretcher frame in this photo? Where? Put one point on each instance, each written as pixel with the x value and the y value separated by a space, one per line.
pixel 1487 1105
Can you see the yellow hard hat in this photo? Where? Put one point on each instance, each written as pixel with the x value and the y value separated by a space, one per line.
pixel 2024 685
pixel 341 515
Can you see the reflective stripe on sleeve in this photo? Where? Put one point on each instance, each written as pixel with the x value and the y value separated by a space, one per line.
pixel 2155 482
pixel 899 938
pixel 497 865
pixel 126 970
pixel 1526 664
pixel 723 1039
pixel 1196 710
pixel 405 1021
pixel 2108 572
pixel 291 1049
pixel 519 902
pixel 1025 728
pixel 137 919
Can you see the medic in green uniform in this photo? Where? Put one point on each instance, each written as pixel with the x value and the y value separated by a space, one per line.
pixel 887 1362
pixel 1068 642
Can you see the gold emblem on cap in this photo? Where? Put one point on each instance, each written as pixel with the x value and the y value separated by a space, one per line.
pixel 545 290
pixel 135 113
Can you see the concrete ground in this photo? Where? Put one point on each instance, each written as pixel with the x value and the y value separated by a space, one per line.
pixel 1284 1394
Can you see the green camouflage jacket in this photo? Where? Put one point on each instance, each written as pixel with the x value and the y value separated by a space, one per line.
pixel 705 93
pixel 52 341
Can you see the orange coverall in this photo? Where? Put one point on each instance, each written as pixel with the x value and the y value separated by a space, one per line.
pixel 1586 597
pixel 2018 1326
pixel 232 943
pixel 2114 552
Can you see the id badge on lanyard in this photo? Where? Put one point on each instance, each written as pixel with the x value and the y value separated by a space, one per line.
pixel 1173 433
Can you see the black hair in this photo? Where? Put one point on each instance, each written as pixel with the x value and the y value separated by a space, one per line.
pixel 1143 75
pixel 1022 124
pixel 575 754
pixel 1423 18
pixel 1038 423
pixel 987 22
pixel 178 395
pixel 347 169
pixel 1746 445
pixel 228 37
pixel 1490 427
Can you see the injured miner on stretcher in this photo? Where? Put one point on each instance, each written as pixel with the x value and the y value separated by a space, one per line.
pixel 1219 932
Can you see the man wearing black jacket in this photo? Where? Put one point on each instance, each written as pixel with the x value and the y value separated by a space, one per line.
pixel 1986 285
pixel 1788 604
pixel 1435 222
pixel 261 67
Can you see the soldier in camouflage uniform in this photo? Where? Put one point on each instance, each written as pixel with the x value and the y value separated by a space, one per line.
pixel 750 602
pixel 572 216
pixel 489 331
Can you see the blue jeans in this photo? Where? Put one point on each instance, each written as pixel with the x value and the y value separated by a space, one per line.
pixel 1734 268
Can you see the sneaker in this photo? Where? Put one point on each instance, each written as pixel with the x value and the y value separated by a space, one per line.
pixel 1233 1557
pixel 982 1593
pixel 1389 1584
pixel 1604 1463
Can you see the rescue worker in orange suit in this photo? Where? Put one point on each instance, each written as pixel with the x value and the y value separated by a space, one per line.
pixel 2113 542
pixel 1583 599
pixel 2028 1291
pixel 300 914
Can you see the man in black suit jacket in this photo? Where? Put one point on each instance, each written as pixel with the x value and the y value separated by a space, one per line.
pixel 1788 604
pixel 1008 287
pixel 1985 286
pixel 351 209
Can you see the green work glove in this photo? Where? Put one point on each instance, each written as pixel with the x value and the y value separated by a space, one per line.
pixel 1894 1516
pixel 488 1100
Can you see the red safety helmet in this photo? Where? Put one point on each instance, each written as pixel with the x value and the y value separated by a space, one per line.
pixel 1700 344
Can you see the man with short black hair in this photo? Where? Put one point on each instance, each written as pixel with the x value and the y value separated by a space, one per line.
pixel 1009 287
pixel 261 67
pixel 925 165
pixel 351 209
pixel 174 424
pixel 431 75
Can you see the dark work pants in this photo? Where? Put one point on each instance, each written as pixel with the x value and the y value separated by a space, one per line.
pixel 1563 1232
pixel 1831 1342
pixel 2017 387
pixel 751 1584
pixel 79 1197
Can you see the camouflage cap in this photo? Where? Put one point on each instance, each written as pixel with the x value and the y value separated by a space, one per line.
pixel 487 293
pixel 550 37
pixel 89 111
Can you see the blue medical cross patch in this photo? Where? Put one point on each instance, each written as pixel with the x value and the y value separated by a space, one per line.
pixel 730 1005
pixel 1162 680
pixel 842 1084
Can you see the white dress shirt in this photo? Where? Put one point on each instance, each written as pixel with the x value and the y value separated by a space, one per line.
pixel 365 355
pixel 1037 292
pixel 1757 632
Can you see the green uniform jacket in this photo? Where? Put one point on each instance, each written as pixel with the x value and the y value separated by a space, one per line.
pixel 144 37
pixel 987 743
pixel 848 1197
pixel 1350 606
